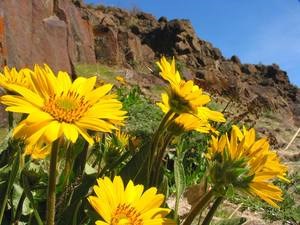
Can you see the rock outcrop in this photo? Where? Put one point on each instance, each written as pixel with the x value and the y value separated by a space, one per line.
pixel 31 32
pixel 131 38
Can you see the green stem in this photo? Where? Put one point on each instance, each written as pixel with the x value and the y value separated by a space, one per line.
pixel 68 166
pixel 74 220
pixel 159 159
pixel 156 140
pixel 101 152
pixel 203 202
pixel 52 184
pixel 212 211
pixel 12 177
pixel 29 195
pixel 10 120
pixel 82 157
pixel 19 207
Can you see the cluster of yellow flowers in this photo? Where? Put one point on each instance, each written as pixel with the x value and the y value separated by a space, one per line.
pixel 58 108
pixel 241 151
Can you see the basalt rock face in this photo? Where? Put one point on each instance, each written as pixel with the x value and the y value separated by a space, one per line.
pixel 32 32
pixel 130 38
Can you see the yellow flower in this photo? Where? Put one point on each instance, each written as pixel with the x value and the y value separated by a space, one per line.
pixel 198 121
pixel 255 165
pixel 169 72
pixel 58 107
pixel 39 150
pixel 262 146
pixel 183 96
pixel 121 80
pixel 188 122
pixel 13 77
pixel 122 138
pixel 119 205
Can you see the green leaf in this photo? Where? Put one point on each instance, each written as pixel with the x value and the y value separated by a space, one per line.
pixel 31 199
pixel 136 169
pixel 233 221
pixel 179 176
pixel 164 186
pixel 79 193
pixel 12 176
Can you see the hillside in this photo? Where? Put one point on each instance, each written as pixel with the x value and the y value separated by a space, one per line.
pixel 31 34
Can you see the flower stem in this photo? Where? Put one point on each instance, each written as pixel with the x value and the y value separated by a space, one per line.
pixel 82 159
pixel 52 184
pixel 212 211
pixel 159 159
pixel 198 207
pixel 156 140
pixel 10 120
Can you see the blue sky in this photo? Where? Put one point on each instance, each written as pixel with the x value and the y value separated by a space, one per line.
pixel 258 31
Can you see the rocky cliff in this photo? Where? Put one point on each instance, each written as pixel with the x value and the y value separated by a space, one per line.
pixel 37 31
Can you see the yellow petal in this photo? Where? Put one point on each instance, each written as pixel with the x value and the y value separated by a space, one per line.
pixel 70 132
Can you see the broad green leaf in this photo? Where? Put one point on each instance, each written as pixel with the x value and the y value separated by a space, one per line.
pixel 136 169
pixel 179 176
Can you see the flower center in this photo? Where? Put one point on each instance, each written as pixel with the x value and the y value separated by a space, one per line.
pixel 126 215
pixel 67 107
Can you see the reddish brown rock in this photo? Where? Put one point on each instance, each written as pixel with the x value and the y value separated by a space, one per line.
pixel 34 35
pixel 106 45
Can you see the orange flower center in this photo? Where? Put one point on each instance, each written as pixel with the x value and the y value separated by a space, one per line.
pixel 67 108
pixel 126 215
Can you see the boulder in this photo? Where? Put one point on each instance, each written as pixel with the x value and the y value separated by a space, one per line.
pixel 34 34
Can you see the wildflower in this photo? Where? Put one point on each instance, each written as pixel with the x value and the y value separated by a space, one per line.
pixel 121 80
pixel 122 138
pixel 188 122
pixel 115 147
pixel 58 107
pixel 14 77
pixel 246 164
pixel 198 121
pixel 130 205
pixel 183 96
pixel 273 162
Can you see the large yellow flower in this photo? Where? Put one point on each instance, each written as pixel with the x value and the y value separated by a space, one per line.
pixel 273 163
pixel 58 107
pixel 198 121
pixel 247 164
pixel 14 77
pixel 184 96
pixel 119 205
